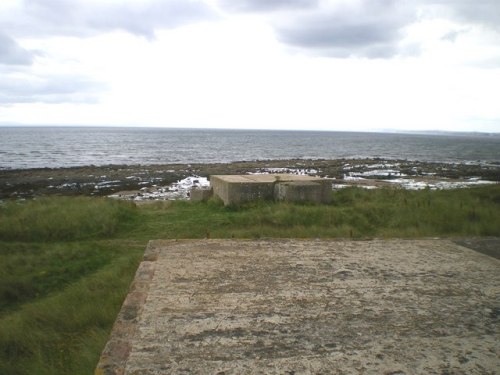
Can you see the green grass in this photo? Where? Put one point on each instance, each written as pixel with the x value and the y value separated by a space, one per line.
pixel 62 219
pixel 354 212
pixel 66 263
pixel 64 332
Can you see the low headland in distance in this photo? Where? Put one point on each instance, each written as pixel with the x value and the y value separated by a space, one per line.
pixel 173 181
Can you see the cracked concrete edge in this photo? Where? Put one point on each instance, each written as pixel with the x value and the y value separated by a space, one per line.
pixel 116 352
pixel 489 246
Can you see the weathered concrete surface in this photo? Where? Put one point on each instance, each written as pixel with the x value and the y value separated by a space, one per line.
pixel 303 191
pixel 199 195
pixel 236 189
pixel 313 307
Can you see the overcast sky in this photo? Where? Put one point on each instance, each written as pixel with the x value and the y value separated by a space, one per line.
pixel 275 64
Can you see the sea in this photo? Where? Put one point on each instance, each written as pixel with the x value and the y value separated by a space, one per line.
pixel 56 147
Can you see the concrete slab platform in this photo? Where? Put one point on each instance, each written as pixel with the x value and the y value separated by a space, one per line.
pixel 309 307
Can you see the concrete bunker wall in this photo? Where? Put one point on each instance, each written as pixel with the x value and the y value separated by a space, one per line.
pixel 200 194
pixel 300 191
pixel 239 192
pixel 236 189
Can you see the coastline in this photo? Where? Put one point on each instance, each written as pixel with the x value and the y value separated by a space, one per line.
pixel 113 179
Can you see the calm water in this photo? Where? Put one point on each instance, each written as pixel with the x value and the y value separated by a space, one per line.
pixel 35 147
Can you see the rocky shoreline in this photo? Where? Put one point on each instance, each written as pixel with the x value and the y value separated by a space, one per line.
pixel 140 180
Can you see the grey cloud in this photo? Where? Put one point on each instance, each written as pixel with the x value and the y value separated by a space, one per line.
pixel 48 89
pixel 265 5
pixel 484 12
pixel 452 35
pixel 376 28
pixel 332 33
pixel 487 12
pixel 144 18
pixel 83 18
pixel 11 53
pixel 372 30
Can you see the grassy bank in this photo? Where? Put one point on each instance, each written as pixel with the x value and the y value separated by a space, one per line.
pixel 66 263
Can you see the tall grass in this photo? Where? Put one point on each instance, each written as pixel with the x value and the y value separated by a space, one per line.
pixel 30 271
pixel 50 219
pixel 64 332
pixel 354 212
pixel 66 263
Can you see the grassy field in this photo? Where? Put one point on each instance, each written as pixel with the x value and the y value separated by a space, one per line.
pixel 66 263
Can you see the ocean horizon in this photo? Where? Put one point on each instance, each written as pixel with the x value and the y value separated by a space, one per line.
pixel 24 147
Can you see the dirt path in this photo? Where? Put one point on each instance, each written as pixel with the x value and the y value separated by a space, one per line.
pixel 309 307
